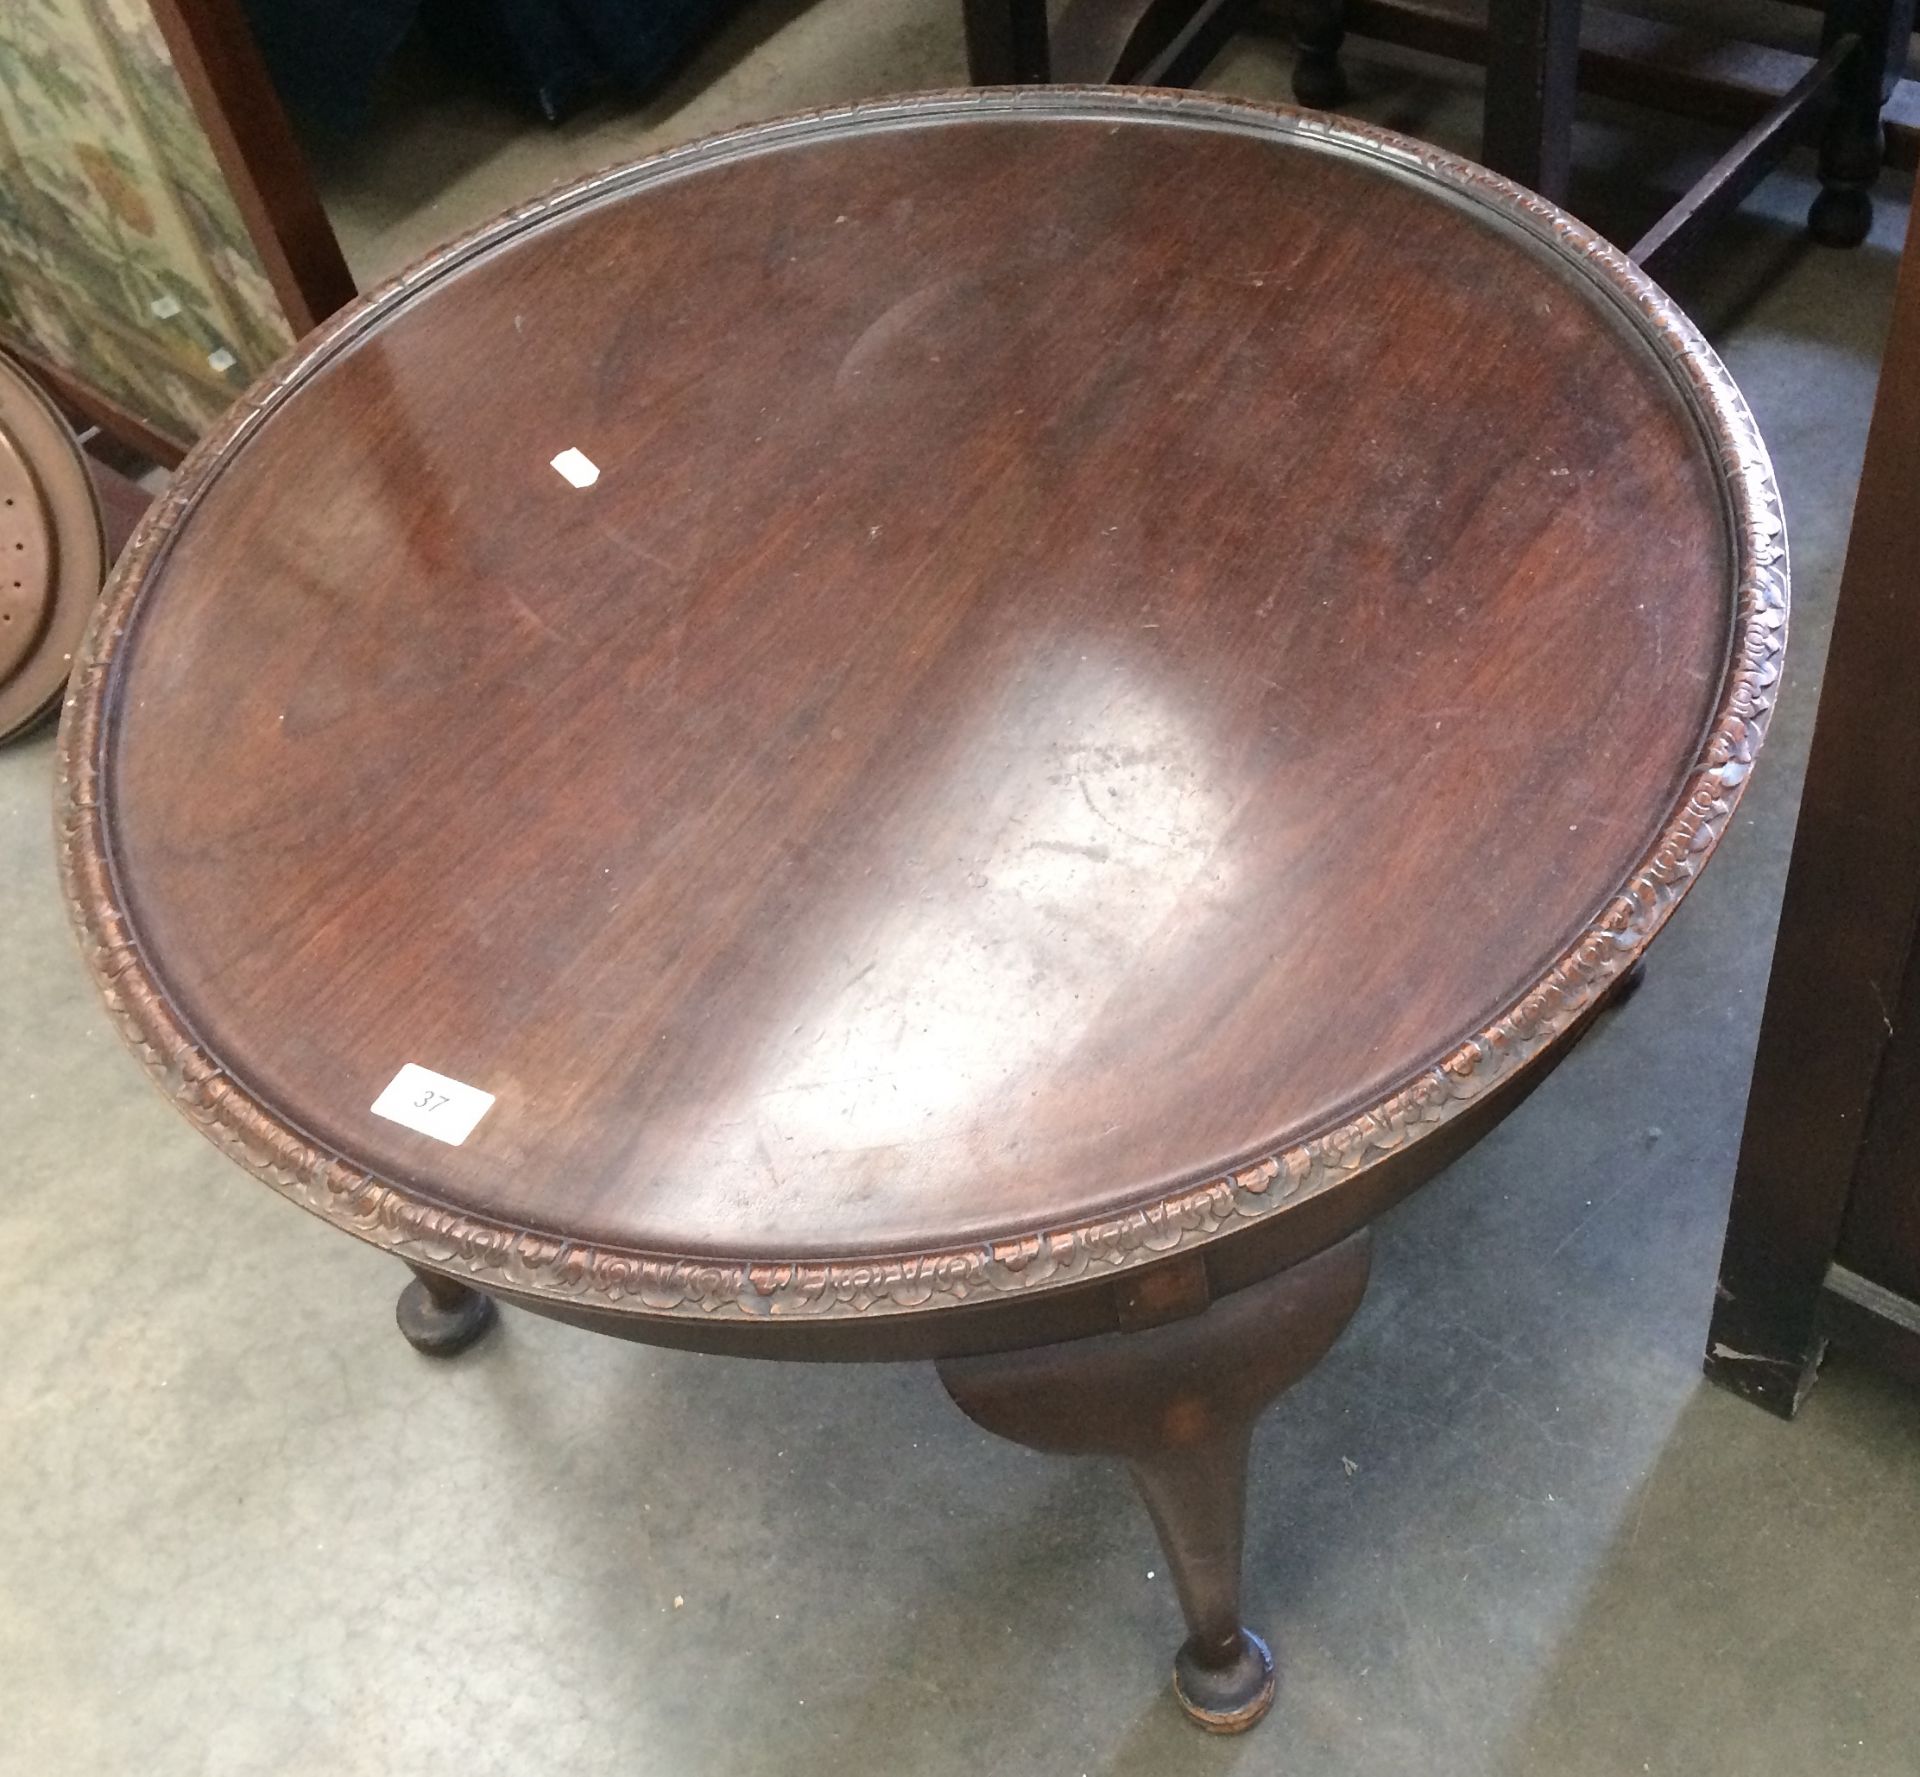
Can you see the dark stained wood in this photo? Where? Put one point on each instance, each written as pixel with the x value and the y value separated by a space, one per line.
pixel 1052 755
pixel 1656 63
pixel 1534 61
pixel 1178 1404
pixel 1533 52
pixel 1836 1004
pixel 123 503
pixel 1319 28
pixel 233 96
pixel 1066 735
pixel 1851 145
pixel 1152 42
pixel 1720 190
pixel 1535 64
pixel 1868 1320
pixel 1100 40
pixel 1261 1245
pixel 1190 51
pixel 1006 42
pixel 440 1316
pixel 1880 1236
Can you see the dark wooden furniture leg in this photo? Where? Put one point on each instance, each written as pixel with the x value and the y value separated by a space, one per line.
pixel 1006 42
pixel 1853 144
pixel 1318 79
pixel 1178 1401
pixel 1533 55
pixel 1831 1071
pixel 439 1316
pixel 1724 186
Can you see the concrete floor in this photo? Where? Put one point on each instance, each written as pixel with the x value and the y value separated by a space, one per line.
pixel 1506 1528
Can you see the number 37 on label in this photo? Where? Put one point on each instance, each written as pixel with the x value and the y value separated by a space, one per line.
pixel 445 1109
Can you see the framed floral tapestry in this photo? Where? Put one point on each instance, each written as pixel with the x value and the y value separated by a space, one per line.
pixel 160 243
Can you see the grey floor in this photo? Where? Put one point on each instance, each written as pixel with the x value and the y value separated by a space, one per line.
pixel 1506 1528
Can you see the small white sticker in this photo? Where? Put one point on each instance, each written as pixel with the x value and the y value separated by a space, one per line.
pixel 222 359
pixel 433 1104
pixel 577 467
pixel 165 307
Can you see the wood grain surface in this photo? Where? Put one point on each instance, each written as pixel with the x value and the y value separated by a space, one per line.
pixel 1117 642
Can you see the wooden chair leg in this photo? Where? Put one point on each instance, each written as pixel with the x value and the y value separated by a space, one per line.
pixel 1853 144
pixel 1178 1402
pixel 441 1317
pixel 1533 56
pixel 1319 30
pixel 1006 42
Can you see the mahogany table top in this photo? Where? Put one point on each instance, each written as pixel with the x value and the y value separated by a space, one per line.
pixel 1117 663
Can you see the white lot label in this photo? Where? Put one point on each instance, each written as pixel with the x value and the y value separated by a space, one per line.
pixel 433 1104
pixel 577 467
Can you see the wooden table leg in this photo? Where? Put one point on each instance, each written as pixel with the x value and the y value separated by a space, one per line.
pixel 1007 42
pixel 1319 28
pixel 439 1316
pixel 1852 143
pixel 1533 56
pixel 1178 1402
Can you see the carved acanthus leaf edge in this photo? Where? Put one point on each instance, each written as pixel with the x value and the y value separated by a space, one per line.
pixel 497 1255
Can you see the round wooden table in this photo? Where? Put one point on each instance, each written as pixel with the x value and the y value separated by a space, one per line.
pixel 970 728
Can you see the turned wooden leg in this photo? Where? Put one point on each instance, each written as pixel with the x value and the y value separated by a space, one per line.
pixel 1853 143
pixel 1007 42
pixel 439 1316
pixel 1852 147
pixel 1318 79
pixel 1177 1401
pixel 1197 1497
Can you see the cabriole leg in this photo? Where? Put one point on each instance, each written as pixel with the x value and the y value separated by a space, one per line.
pixel 439 1316
pixel 1177 1402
